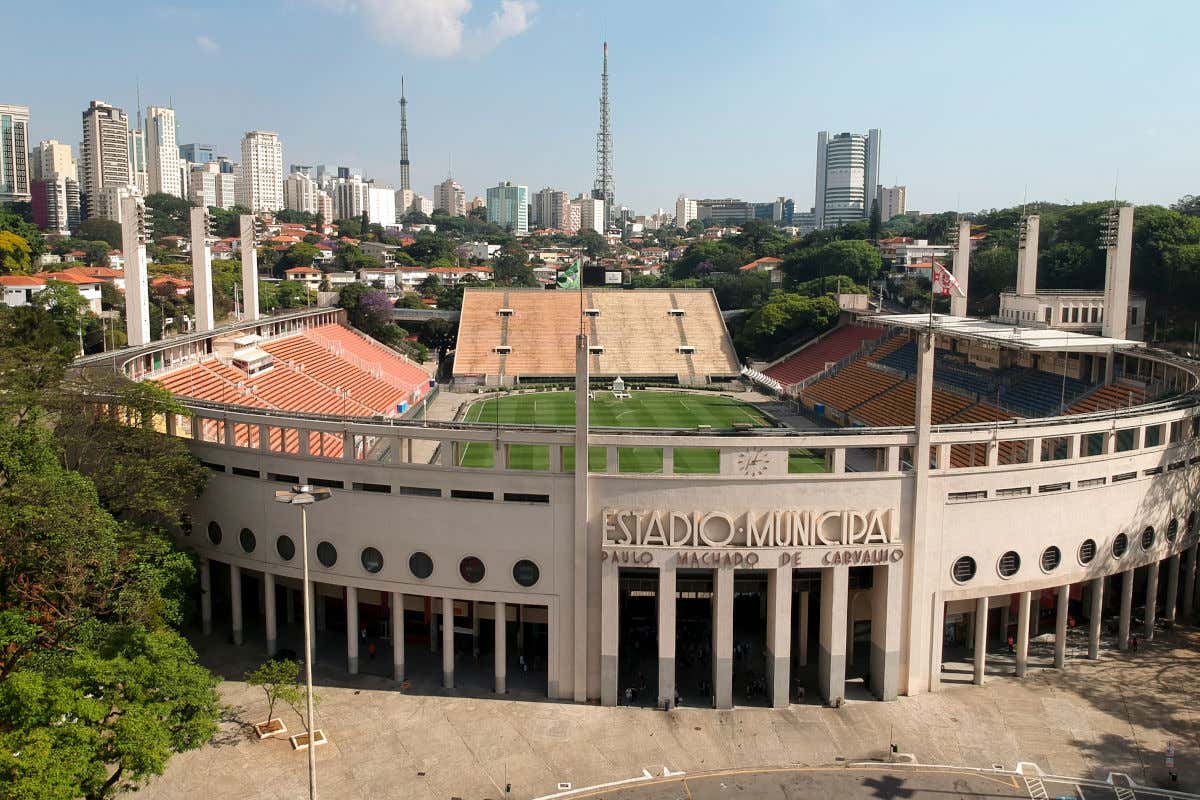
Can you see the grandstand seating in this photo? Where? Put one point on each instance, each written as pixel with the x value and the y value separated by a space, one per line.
pixel 857 382
pixel 323 370
pixel 812 358
pixel 1039 394
pixel 1108 398
pixel 639 335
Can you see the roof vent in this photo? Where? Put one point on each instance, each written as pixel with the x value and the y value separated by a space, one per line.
pixel 676 312
pixel 591 312
pixel 685 349
pixel 503 349
pixel 504 312
pixel 596 349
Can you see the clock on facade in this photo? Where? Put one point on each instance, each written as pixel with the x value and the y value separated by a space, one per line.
pixel 753 462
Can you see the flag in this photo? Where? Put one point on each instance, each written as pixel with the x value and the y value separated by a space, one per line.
pixel 944 281
pixel 569 277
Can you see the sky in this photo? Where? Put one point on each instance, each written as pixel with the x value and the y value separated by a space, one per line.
pixel 981 104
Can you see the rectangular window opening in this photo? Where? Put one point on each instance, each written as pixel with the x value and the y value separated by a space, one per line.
pixel 471 494
pixel 379 488
pixel 525 497
pixel 279 477
pixel 418 491
pixel 246 473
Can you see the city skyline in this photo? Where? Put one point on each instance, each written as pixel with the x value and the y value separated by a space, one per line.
pixel 692 136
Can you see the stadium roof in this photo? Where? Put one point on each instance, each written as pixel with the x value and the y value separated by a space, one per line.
pixel 1000 334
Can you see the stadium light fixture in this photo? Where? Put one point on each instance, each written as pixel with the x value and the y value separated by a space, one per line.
pixel 304 495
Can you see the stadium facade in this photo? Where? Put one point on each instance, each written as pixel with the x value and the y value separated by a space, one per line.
pixel 755 579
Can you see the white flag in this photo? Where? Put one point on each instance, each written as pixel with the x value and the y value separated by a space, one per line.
pixel 945 282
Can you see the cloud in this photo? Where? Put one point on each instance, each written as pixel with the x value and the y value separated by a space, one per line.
pixel 437 27
pixel 207 44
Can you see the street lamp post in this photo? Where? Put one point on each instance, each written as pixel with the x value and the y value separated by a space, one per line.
pixel 304 496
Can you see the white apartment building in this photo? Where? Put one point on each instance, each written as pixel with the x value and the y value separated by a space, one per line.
pixel 347 197
pixel 404 201
pixel 137 161
pixel 324 207
pixel 847 176
pixel 422 204
pixel 450 197
pixel 380 203
pixel 891 201
pixel 260 186
pixel 162 152
pixel 300 193
pixel 551 209
pixel 50 158
pixel 14 144
pixel 685 211
pixel 574 218
pixel 208 186
pixel 591 214
pixel 104 157
pixel 55 203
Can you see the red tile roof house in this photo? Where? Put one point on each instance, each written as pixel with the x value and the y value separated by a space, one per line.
pixel 180 285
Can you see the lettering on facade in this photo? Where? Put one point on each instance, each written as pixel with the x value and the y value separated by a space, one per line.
pixel 786 528
pixel 731 558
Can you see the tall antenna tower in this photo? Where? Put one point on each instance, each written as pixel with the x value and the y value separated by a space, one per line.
pixel 405 182
pixel 603 188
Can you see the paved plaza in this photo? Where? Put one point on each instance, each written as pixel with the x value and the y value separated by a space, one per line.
pixel 1093 718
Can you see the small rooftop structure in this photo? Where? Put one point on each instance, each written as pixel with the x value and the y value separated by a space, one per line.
pixel 999 334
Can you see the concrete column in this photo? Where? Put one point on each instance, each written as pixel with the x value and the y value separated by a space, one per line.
pixel 434 613
pixel 779 635
pixel 919 636
pixel 666 632
pixel 474 630
pixel 352 630
pixel 1151 599
pixel 803 632
pixel 981 611
pixel 938 626
pixel 269 611
pixel 1023 602
pixel 1060 627
pixel 1189 582
pixel 722 662
pixel 320 611
pixel 1005 618
pixel 397 608
pixel 1096 612
pixel 205 596
pixel 886 604
pixel 249 256
pixel 962 269
pixel 1126 610
pixel 610 631
pixel 1172 588
pixel 500 612
pixel 447 643
pixel 831 669
pixel 235 601
pixel 289 608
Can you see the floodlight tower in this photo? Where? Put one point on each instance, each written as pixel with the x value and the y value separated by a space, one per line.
pixel 1116 239
pixel 202 269
pixel 960 236
pixel 251 229
pixel 1027 254
pixel 135 232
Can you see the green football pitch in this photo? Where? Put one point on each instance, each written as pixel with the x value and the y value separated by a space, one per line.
pixel 679 410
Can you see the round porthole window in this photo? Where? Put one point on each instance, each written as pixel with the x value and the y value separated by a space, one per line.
pixel 471 569
pixel 420 565
pixel 1172 530
pixel 526 573
pixel 1051 557
pixel 1087 551
pixel 214 533
pixel 285 547
pixel 964 569
pixel 1120 545
pixel 326 554
pixel 372 560
pixel 1148 538
pixel 1010 564
pixel 246 540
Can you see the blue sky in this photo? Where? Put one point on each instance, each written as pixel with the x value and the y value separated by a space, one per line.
pixel 979 102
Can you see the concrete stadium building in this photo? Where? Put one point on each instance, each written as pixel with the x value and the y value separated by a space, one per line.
pixel 756 582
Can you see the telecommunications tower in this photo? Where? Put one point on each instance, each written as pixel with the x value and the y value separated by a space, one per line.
pixel 405 182
pixel 603 188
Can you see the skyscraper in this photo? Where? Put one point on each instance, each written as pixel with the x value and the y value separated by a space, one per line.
pixel 197 153
pixel 847 176
pixel 51 157
pixel 508 207
pixel 603 188
pixel 405 178
pixel 137 161
pixel 260 184
pixel 551 209
pixel 891 201
pixel 162 153
pixel 685 212
pixel 450 197
pixel 14 144
pixel 104 158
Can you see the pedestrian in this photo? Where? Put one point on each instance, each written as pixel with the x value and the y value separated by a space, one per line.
pixel 362 635
pixel 371 651
pixel 1010 643
pixel 628 695
pixel 1133 642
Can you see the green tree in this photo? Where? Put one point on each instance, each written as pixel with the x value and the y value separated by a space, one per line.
pixel 15 223
pixel 225 221
pixel 785 316
pixel 16 256
pixel 875 223
pixel 511 267
pixel 441 335
pixel 274 677
pixel 1188 205
pixel 854 258
pixel 97 229
pixel 350 226
pixel 169 215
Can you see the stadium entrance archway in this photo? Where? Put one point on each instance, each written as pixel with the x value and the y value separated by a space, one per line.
pixel 637 673
pixel 694 638
pixel 749 638
pixel 806 621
